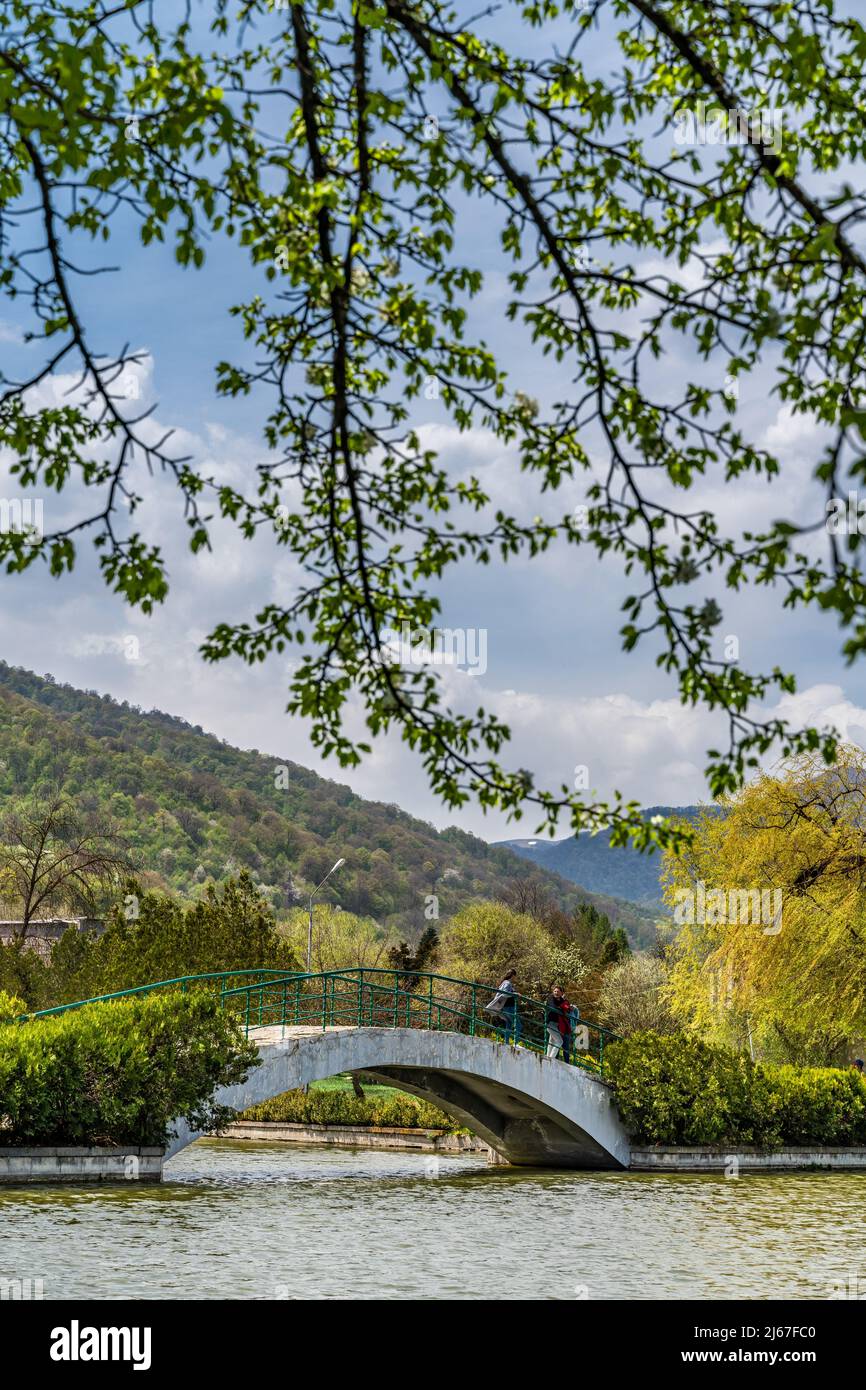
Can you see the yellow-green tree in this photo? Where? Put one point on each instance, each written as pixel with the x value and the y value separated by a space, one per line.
pixel 341 940
pixel 634 997
pixel 486 939
pixel 770 912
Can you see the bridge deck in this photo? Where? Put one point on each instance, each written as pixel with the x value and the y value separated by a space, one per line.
pixel 274 1033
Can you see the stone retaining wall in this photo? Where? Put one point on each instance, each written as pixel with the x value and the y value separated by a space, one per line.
pixel 357 1136
pixel 712 1159
pixel 43 936
pixel 80 1165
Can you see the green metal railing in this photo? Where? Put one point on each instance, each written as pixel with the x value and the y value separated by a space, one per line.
pixel 181 982
pixel 378 998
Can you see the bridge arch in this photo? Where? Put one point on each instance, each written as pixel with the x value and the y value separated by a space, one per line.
pixel 533 1110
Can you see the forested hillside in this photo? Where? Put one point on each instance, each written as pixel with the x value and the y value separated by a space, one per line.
pixel 195 809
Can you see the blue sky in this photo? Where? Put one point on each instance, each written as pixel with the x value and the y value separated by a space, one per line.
pixel 555 670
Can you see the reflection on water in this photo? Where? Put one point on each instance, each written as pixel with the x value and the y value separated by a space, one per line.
pixel 241 1220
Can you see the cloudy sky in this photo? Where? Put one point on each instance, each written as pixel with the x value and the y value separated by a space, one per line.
pixel 554 668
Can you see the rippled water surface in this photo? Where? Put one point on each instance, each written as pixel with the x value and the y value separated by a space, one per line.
pixel 242 1220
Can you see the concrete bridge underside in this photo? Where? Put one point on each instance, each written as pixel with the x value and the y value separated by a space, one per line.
pixel 532 1110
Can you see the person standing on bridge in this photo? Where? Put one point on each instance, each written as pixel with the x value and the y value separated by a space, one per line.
pixel 557 1021
pixel 503 1006
pixel 571 1016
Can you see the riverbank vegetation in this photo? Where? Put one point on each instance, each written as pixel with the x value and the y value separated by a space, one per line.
pixel 680 1090
pixel 116 1074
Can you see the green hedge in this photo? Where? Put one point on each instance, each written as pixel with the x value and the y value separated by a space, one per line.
pixel 679 1090
pixel 119 1073
pixel 331 1107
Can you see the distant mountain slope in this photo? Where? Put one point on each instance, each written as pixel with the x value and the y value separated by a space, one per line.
pixel 590 861
pixel 195 809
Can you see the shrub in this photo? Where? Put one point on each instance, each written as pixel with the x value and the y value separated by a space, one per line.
pixel 679 1090
pixel 11 1006
pixel 819 1105
pixel 320 1107
pixel 119 1073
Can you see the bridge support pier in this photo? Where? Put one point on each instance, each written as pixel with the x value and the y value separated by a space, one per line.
pixel 497 1160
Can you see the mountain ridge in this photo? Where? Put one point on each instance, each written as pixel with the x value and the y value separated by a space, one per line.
pixel 195 808
pixel 588 859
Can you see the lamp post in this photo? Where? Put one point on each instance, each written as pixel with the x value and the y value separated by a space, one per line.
pixel 310 928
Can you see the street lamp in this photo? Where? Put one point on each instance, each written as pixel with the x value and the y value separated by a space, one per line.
pixel 310 928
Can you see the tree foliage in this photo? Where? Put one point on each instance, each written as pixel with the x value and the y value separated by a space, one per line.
pixel 795 983
pixel 583 943
pixel 340 939
pixel 152 936
pixel 633 997
pixel 485 940
pixel 413 959
pixel 348 151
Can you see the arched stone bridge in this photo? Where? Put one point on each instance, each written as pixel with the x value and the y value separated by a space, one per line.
pixel 531 1109
pixel 428 1034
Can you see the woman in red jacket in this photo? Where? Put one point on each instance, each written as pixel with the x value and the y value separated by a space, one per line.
pixel 556 1020
pixel 566 1030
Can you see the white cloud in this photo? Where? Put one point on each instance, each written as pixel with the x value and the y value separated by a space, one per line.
pixel 795 436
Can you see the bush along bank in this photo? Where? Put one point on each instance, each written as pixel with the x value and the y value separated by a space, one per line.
pixel 118 1074
pixel 676 1090
pixel 331 1107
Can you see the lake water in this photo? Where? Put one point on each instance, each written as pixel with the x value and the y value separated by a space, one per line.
pixel 253 1221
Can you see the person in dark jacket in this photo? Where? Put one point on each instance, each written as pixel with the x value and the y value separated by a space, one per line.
pixel 566 1029
pixel 557 1022
pixel 572 1018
